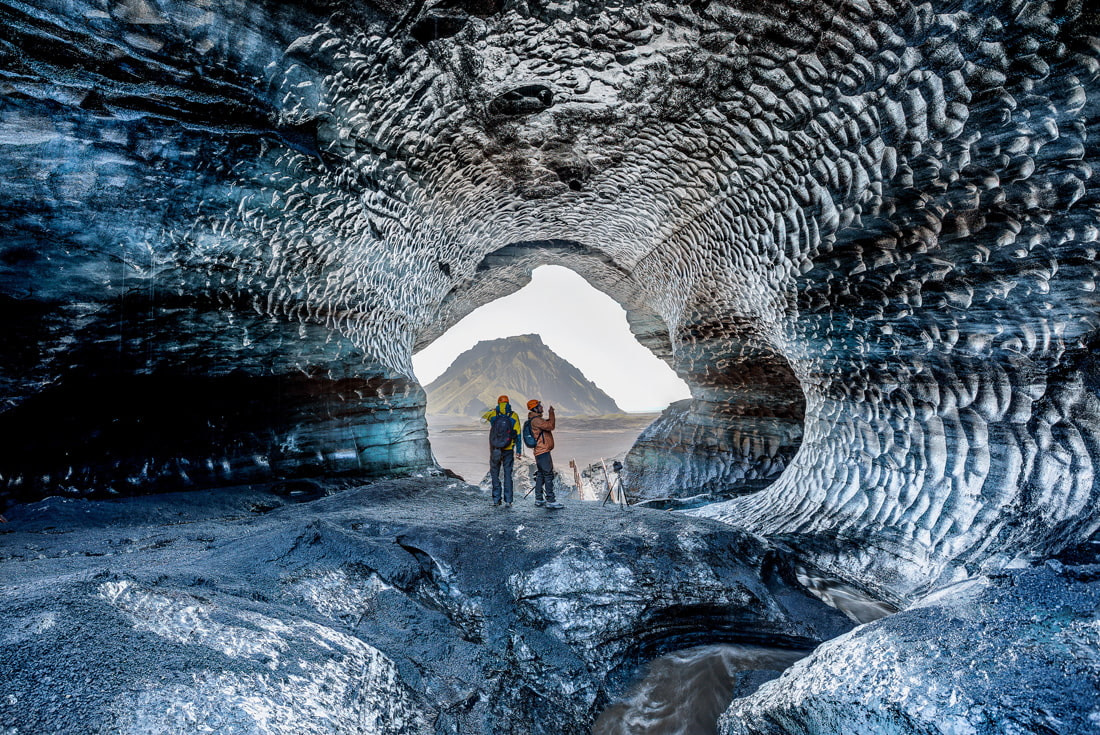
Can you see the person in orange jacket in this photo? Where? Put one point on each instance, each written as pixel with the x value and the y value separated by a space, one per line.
pixel 543 429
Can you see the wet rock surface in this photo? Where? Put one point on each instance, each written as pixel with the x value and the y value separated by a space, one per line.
pixel 1013 653
pixel 402 606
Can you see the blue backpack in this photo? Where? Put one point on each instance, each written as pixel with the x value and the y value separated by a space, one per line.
pixel 501 429
pixel 529 434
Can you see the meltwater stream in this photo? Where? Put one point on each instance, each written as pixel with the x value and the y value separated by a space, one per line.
pixel 683 693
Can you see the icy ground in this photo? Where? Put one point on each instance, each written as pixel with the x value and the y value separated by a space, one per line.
pixel 401 606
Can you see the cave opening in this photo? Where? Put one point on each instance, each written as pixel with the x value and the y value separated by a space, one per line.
pixel 557 339
pixel 687 690
pixel 734 433
pixel 690 662
pixel 583 326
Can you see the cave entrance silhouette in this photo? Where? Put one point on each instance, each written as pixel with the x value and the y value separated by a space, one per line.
pixel 558 339
pixel 584 326
pixel 735 430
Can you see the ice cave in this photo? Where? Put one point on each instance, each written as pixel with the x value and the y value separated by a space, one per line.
pixel 864 232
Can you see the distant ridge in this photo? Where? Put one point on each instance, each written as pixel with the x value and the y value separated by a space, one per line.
pixel 521 368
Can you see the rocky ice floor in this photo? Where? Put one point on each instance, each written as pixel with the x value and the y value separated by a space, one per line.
pixel 400 606
pixel 1014 653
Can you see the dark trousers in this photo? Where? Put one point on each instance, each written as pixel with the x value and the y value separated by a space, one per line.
pixel 544 477
pixel 501 459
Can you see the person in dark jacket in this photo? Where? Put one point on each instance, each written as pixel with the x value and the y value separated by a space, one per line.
pixel 501 459
pixel 543 429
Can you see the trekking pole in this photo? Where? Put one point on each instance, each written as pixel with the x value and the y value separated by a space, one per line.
pixel 607 481
pixel 532 485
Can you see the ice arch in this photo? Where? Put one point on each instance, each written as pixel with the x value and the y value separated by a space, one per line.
pixel 743 422
pixel 584 326
pixel 894 199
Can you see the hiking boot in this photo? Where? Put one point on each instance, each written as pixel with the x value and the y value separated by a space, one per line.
pixel 507 505
pixel 554 505
pixel 540 503
pixel 496 502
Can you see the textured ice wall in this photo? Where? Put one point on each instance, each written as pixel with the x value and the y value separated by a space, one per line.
pixel 145 344
pixel 1011 654
pixel 317 679
pixel 699 448
pixel 894 199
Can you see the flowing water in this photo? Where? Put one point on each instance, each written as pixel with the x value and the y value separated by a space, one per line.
pixel 850 600
pixel 683 693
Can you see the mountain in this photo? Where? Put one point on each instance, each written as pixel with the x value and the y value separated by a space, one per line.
pixel 521 368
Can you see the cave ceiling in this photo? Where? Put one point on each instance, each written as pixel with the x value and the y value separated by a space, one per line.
pixel 882 211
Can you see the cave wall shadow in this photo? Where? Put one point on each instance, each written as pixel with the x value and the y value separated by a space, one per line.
pixel 159 397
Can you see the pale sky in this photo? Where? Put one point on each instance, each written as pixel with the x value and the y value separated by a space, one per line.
pixel 582 325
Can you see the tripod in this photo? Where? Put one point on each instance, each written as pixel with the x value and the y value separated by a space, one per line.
pixel 617 468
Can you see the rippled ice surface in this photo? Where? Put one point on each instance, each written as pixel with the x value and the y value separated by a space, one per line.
pixel 683 693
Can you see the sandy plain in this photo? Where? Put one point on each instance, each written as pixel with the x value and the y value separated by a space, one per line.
pixel 461 444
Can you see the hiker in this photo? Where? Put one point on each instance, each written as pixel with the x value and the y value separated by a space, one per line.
pixel 504 429
pixel 543 429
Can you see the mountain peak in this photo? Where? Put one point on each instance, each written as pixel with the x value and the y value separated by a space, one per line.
pixel 522 367
pixel 515 340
